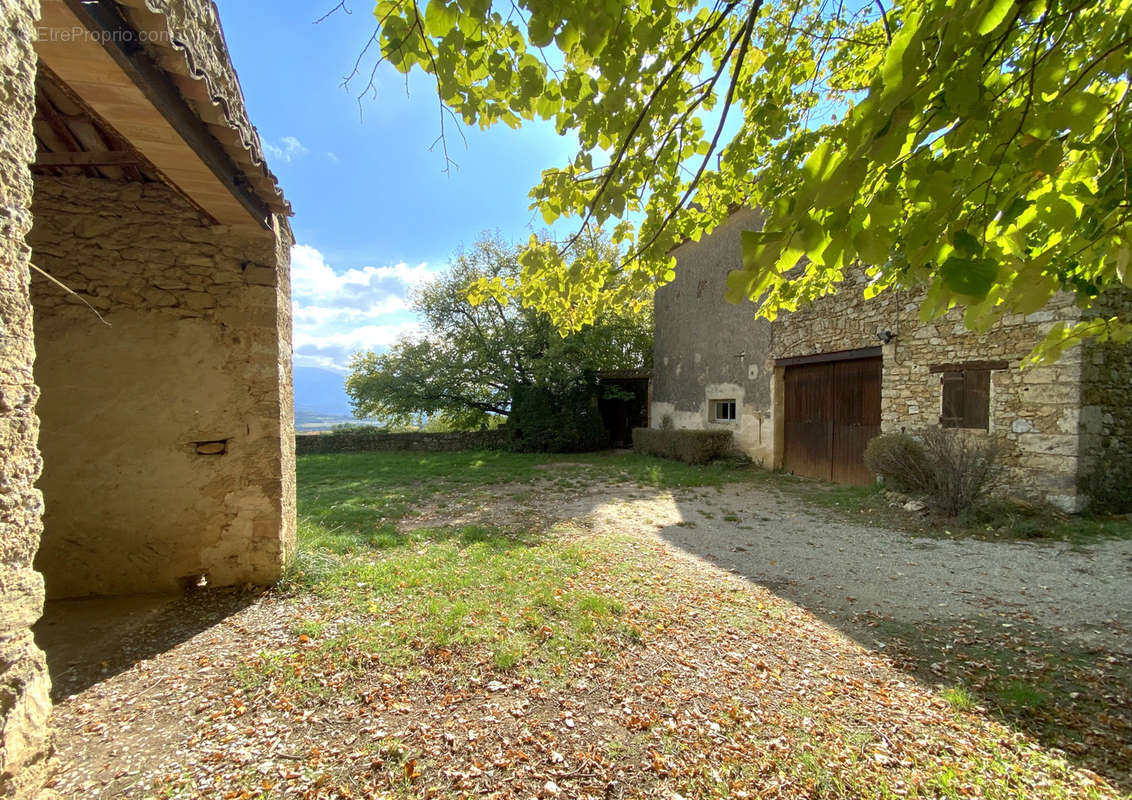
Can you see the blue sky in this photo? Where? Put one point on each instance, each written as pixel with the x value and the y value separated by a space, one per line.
pixel 374 211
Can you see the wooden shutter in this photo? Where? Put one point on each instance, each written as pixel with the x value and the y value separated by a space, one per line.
pixel 966 399
pixel 976 406
pixel 954 400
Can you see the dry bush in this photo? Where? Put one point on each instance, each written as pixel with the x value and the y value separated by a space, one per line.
pixel 900 459
pixel 963 468
pixel 953 469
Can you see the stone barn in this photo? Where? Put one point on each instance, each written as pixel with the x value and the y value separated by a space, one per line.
pixel 807 392
pixel 145 309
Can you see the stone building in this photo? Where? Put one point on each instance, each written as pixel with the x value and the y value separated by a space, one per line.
pixel 806 392
pixel 146 408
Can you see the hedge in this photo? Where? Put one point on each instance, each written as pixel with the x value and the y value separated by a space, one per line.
pixel 690 446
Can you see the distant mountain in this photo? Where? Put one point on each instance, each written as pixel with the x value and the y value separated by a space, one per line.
pixel 322 393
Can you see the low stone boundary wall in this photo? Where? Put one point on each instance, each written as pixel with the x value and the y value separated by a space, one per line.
pixel 363 441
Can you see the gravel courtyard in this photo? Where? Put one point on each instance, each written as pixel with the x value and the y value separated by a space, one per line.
pixel 838 569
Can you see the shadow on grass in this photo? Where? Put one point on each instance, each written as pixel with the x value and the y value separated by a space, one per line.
pixel 1060 692
pixel 1061 687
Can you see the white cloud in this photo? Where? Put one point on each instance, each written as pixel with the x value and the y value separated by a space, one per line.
pixel 366 337
pixel 337 313
pixel 320 315
pixel 288 149
pixel 329 363
pixel 313 278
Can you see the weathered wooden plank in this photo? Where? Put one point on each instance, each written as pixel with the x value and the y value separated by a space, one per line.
pixel 107 158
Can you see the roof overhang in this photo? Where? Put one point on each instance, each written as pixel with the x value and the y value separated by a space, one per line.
pixel 99 55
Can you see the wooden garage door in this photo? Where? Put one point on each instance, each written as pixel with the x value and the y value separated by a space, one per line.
pixel 832 410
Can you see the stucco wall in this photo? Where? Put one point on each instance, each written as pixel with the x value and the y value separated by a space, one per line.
pixel 708 349
pixel 24 685
pixel 196 349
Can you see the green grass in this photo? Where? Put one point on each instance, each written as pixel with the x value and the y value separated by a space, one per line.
pixel 393 606
pixel 352 502
pixel 959 698
pixel 397 595
pixel 443 591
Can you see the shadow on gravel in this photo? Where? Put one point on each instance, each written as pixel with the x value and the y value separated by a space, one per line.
pixel 88 640
pixel 1045 682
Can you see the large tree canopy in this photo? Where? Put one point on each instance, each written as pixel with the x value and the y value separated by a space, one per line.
pixel 464 368
pixel 973 147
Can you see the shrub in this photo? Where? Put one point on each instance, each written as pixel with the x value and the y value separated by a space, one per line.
pixel 953 469
pixel 1109 484
pixel 963 468
pixel 899 459
pixel 546 421
pixel 689 446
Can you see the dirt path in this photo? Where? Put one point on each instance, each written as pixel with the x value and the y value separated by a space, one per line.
pixel 1038 633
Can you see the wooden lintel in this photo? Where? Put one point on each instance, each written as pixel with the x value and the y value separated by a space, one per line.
pixel 823 358
pixel 108 158
pixel 969 365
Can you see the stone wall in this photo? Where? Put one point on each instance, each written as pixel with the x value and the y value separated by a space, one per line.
pixel 365 441
pixel 166 429
pixel 24 685
pixel 1047 430
pixel 707 349
pixel 1034 414
pixel 1106 410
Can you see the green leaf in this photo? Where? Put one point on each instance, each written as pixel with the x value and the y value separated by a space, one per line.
pixel 995 15
pixel 440 18
pixel 968 155
pixel 872 245
pixel 966 243
pixel 756 245
pixel 970 277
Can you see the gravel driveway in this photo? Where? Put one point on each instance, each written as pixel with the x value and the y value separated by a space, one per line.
pixel 838 569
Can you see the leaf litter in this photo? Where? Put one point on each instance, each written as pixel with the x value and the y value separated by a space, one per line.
pixel 638 672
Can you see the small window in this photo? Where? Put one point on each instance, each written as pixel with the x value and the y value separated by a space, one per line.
pixel 966 399
pixel 723 411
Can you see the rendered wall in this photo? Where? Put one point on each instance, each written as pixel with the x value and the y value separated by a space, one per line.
pixel 705 348
pixel 24 685
pixel 166 433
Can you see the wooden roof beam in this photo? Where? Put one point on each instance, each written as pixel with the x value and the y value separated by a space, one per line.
pixel 106 158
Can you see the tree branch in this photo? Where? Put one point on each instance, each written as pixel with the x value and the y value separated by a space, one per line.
pixel 615 164
pixel 884 19
pixel 745 36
